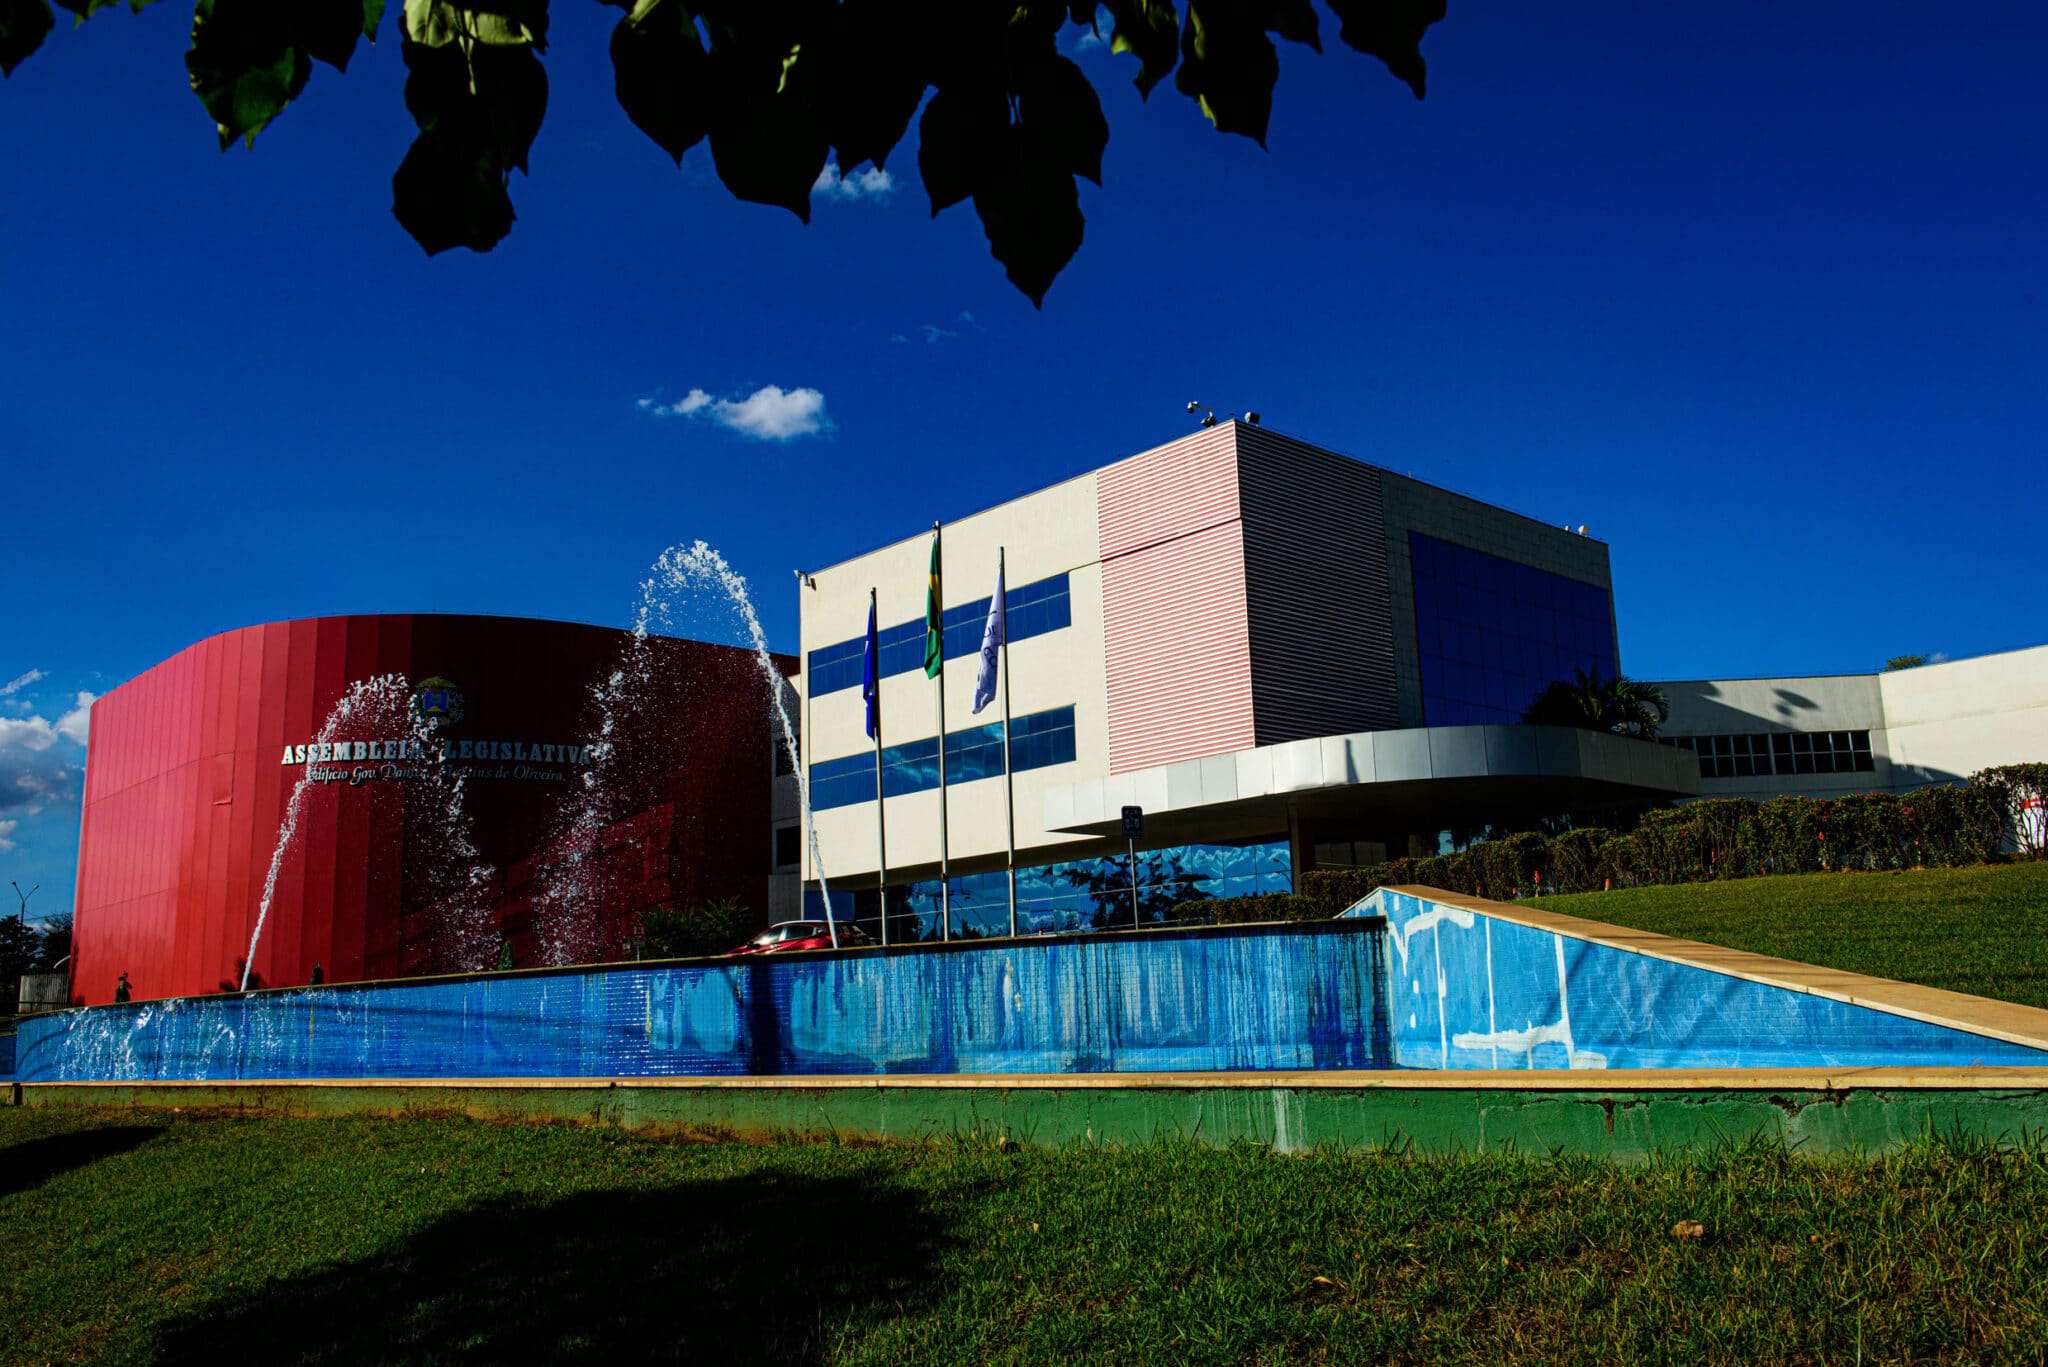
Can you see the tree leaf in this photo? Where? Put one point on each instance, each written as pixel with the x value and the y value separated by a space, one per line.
pixel 662 75
pixel 1031 211
pixel 1390 30
pixel 243 66
pixel 767 141
pixel 1294 20
pixel 1055 100
pixel 478 112
pixel 373 15
pixel 86 9
pixel 873 79
pixel 512 90
pixel 23 26
pixel 1150 31
pixel 1229 66
pixel 493 23
pixel 326 30
pixel 448 194
pixel 959 139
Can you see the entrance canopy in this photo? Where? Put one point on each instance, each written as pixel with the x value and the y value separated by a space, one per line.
pixel 1419 779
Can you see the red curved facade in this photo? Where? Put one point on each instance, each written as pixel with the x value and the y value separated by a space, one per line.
pixel 191 768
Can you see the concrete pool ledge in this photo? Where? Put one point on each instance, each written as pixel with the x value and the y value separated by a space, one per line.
pixel 1473 1080
pixel 2007 1021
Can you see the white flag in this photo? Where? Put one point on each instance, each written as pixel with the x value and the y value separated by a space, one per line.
pixel 992 637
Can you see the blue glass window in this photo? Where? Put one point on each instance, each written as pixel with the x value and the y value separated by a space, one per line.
pixel 1040 740
pixel 1491 633
pixel 1032 609
pixel 842 782
pixel 1082 894
pixel 978 753
pixel 1036 741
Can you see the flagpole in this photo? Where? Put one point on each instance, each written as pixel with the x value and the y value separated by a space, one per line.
pixel 945 875
pixel 1009 789
pixel 881 831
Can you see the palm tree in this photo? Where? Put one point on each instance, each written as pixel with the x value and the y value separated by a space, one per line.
pixel 1624 706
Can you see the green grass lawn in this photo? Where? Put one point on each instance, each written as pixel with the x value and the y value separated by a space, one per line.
pixel 132 1237
pixel 1979 930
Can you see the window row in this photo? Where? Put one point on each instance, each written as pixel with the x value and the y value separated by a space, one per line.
pixel 1768 754
pixel 1083 894
pixel 1030 609
pixel 1038 741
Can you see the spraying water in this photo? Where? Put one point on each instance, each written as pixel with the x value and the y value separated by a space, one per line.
pixel 364 696
pixel 458 879
pixel 449 856
pixel 699 567
pixel 571 890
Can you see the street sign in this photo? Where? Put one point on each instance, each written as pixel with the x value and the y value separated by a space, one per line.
pixel 1134 823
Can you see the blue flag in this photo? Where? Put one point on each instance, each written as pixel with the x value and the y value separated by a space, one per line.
pixel 992 637
pixel 871 676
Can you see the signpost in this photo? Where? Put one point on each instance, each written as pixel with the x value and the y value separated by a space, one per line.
pixel 1134 826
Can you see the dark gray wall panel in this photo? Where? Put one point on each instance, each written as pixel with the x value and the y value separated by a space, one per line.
pixel 1322 645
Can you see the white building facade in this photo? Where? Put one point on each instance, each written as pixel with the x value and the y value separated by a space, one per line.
pixel 1281 655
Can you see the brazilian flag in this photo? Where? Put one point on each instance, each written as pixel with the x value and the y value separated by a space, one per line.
pixel 934 617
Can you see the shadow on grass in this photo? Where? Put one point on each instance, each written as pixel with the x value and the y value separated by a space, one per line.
pixel 35 1161
pixel 752 1268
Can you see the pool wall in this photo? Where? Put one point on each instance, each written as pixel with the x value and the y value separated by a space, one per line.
pixel 1474 984
pixel 1411 979
pixel 1231 998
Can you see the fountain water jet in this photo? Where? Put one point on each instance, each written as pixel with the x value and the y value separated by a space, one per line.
pixel 698 567
pixel 467 922
pixel 362 695
pixel 386 699
pixel 570 883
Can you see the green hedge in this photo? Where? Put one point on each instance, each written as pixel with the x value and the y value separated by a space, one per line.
pixel 1940 827
pixel 1233 911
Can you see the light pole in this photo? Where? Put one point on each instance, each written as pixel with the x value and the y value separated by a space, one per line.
pixel 23 922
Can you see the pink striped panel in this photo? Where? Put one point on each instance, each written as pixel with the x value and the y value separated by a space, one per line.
pixel 1176 489
pixel 1176 640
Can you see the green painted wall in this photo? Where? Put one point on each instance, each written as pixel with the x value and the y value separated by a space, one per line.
pixel 1623 1125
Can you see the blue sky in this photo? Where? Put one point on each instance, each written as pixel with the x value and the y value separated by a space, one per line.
pixel 1760 303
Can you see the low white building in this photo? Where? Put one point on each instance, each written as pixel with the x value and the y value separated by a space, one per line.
pixel 1857 733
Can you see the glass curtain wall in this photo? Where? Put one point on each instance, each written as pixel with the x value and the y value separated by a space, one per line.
pixel 1492 633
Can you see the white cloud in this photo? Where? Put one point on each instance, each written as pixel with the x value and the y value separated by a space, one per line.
pixel 870 182
pixel 74 725
pixel 26 733
pixel 934 333
pixel 7 829
pixel 34 769
pixel 770 413
pixel 19 682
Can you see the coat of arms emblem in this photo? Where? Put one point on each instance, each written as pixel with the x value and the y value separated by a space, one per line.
pixel 437 702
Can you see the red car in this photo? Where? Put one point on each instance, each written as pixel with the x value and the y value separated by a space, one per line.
pixel 791 935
